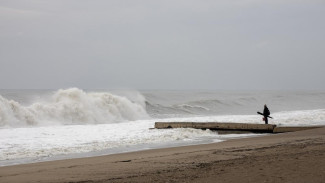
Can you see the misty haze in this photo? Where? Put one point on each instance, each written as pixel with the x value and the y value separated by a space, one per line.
pixel 162 91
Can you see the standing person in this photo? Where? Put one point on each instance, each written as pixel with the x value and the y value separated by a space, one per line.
pixel 266 113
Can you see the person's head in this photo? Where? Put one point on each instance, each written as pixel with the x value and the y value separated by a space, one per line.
pixel 264 105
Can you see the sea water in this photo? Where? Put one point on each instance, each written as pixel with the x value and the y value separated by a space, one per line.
pixel 42 125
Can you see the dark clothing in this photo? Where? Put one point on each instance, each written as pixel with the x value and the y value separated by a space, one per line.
pixel 266 120
pixel 266 113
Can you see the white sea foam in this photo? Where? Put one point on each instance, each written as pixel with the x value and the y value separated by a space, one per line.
pixel 40 142
pixel 288 118
pixel 72 106
pixel 43 142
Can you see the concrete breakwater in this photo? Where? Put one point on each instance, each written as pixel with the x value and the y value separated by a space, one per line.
pixel 234 127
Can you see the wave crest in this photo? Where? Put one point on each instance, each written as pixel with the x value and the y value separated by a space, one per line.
pixel 71 106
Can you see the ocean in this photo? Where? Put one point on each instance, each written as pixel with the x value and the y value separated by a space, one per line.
pixel 44 125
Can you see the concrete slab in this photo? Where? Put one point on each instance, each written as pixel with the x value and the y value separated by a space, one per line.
pixel 218 126
pixel 226 128
pixel 284 129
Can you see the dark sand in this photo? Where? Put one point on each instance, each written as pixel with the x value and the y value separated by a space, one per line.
pixel 291 157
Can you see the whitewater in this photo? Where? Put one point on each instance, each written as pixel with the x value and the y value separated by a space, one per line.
pixel 43 125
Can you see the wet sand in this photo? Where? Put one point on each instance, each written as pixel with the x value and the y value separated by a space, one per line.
pixel 290 157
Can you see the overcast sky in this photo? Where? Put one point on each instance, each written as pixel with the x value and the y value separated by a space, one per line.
pixel 162 44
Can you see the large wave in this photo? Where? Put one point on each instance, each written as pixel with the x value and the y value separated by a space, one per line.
pixel 72 106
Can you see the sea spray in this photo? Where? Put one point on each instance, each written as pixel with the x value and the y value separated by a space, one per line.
pixel 72 106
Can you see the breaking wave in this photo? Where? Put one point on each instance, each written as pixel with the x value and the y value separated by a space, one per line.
pixel 72 106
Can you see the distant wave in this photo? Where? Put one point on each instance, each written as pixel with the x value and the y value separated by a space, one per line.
pixel 189 107
pixel 72 106
pixel 170 104
pixel 195 107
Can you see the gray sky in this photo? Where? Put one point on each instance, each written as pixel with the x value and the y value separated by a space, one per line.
pixel 162 44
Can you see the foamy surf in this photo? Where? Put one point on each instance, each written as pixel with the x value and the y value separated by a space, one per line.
pixel 74 123
pixel 33 144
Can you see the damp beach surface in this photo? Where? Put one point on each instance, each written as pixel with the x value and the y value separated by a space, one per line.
pixel 290 157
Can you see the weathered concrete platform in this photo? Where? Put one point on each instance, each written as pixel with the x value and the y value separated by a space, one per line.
pixel 284 129
pixel 232 127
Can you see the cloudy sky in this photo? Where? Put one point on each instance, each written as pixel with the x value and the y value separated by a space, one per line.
pixel 162 44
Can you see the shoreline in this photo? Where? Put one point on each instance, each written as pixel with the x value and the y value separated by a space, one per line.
pixel 289 157
pixel 124 150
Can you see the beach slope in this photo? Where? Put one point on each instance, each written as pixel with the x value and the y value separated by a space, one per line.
pixel 289 157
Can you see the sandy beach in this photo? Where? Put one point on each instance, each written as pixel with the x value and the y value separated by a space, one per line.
pixel 289 157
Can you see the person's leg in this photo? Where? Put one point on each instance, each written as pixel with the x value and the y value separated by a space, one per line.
pixel 266 120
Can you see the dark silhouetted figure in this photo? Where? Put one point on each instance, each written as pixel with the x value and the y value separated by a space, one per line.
pixel 266 113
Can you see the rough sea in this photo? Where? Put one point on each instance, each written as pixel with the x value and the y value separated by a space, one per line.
pixel 44 125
